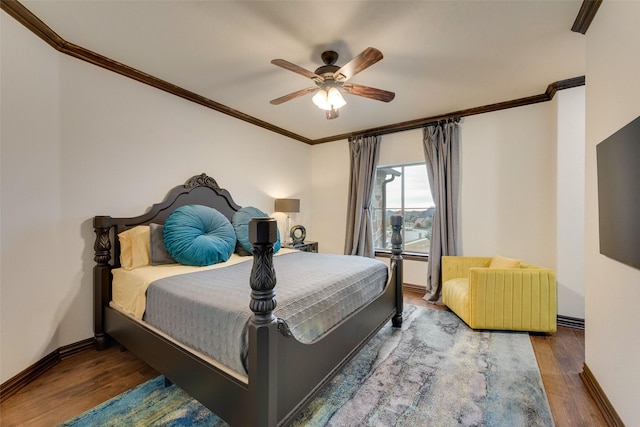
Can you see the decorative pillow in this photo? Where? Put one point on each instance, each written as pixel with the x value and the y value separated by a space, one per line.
pixel 240 222
pixel 134 247
pixel 199 235
pixel 157 251
pixel 503 262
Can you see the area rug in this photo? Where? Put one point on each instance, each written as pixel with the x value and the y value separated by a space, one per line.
pixel 435 371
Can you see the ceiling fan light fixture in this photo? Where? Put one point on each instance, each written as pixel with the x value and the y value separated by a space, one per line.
pixel 329 100
pixel 332 114
pixel 335 98
pixel 320 99
pixel 330 80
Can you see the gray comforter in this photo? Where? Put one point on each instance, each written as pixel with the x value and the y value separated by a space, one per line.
pixel 209 310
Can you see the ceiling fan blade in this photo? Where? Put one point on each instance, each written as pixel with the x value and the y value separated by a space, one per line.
pixel 368 92
pixel 297 69
pixel 367 58
pixel 293 95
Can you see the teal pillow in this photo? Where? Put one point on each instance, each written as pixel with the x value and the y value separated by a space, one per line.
pixel 199 235
pixel 240 222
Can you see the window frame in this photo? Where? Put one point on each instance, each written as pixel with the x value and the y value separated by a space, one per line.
pixel 410 255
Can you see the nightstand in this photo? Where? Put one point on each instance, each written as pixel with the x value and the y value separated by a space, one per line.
pixel 304 247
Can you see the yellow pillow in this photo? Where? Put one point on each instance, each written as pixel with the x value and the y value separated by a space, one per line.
pixel 503 262
pixel 134 247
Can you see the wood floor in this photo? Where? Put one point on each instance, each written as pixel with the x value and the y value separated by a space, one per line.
pixel 82 381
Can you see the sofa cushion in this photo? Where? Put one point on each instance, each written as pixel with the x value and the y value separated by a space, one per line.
pixel 504 262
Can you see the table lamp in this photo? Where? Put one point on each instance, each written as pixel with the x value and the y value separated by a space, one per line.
pixel 287 206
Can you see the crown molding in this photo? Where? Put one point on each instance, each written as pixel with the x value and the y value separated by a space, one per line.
pixel 585 16
pixel 418 123
pixel 23 15
pixel 39 28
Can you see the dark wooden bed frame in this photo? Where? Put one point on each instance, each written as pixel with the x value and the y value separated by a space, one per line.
pixel 283 374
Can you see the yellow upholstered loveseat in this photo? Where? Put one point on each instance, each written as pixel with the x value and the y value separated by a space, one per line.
pixel 523 298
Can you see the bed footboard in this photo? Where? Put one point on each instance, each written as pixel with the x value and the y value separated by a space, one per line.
pixel 284 374
pixel 263 327
pixel 397 274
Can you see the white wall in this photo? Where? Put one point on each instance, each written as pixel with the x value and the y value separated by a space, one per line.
pixel 508 194
pixel 523 189
pixel 30 174
pixel 79 141
pixel 570 104
pixel 612 289
pixel 329 173
pixel 509 184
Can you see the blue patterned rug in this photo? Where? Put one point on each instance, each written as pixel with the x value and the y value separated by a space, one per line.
pixel 435 371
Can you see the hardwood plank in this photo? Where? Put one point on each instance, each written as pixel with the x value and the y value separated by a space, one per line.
pixel 560 359
pixel 87 379
pixel 74 385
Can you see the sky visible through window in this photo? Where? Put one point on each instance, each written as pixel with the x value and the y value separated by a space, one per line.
pixel 416 186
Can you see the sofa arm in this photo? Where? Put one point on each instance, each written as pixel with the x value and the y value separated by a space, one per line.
pixel 455 267
pixel 513 298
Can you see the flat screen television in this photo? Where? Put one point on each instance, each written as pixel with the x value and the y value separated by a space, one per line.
pixel 618 159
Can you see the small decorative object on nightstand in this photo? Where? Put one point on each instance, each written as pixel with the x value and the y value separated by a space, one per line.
pixel 304 247
pixel 297 234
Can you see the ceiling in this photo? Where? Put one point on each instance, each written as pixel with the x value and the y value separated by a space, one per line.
pixel 439 56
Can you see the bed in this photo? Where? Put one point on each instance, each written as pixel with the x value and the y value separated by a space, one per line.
pixel 281 373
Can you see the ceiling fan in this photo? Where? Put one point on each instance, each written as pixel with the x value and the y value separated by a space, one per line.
pixel 330 80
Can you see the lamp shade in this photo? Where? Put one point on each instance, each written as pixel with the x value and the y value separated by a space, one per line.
pixel 330 99
pixel 287 205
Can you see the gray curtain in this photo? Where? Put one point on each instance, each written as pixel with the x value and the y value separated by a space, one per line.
pixel 441 152
pixel 364 160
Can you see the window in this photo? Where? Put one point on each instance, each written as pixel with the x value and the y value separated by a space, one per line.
pixel 404 190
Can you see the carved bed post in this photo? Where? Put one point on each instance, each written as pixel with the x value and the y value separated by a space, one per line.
pixel 396 267
pixel 101 272
pixel 263 352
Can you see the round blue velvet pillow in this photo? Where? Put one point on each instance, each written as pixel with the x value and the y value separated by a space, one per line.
pixel 240 222
pixel 199 235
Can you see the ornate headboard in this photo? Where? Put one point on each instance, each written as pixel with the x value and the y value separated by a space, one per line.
pixel 199 189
